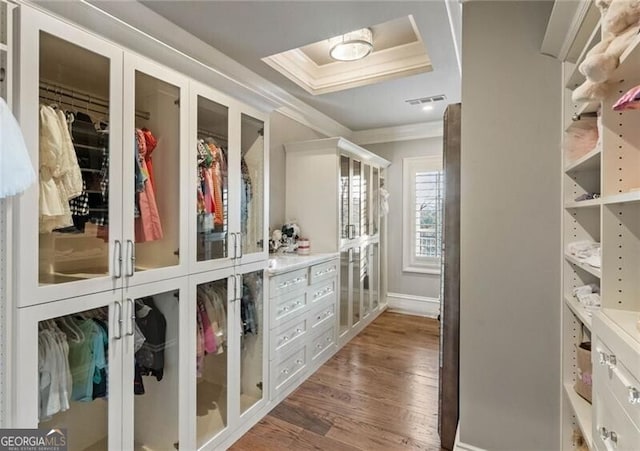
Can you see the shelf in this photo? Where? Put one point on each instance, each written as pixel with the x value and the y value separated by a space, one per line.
pixel 588 162
pixel 589 107
pixel 582 265
pixel 629 68
pixel 622 198
pixel 582 411
pixel 626 320
pixel 582 313
pixel 593 203
pixel 576 78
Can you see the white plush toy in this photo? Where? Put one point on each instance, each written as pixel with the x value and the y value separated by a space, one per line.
pixel 620 25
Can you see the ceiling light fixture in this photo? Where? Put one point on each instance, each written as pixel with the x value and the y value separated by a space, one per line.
pixel 427 108
pixel 352 46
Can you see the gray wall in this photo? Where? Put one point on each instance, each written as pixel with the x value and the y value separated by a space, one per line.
pixel 283 130
pixel 427 285
pixel 510 229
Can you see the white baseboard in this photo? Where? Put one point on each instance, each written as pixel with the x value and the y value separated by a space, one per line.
pixel 413 305
pixel 459 446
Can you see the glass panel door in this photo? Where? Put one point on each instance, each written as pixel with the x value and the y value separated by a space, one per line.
pixel 356 200
pixel 251 340
pixel 365 274
pixel 74 378
pixel 356 281
pixel 252 176
pixel 75 219
pixel 212 344
pixel 156 159
pixel 213 182
pixel 345 282
pixel 344 197
pixel 375 201
pixel 155 339
pixel 366 199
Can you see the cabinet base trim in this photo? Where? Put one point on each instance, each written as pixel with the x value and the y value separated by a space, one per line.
pixel 460 446
pixel 413 305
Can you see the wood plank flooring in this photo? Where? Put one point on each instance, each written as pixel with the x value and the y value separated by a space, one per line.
pixel 379 392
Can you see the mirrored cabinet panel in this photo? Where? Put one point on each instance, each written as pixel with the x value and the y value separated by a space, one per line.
pixel 345 282
pixel 74 154
pixel 356 285
pixel 212 180
pixel 212 364
pixel 375 201
pixel 252 176
pixel 156 158
pixel 345 203
pixel 356 200
pixel 365 209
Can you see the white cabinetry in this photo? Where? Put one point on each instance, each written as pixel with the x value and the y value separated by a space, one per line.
pixel 174 180
pixel 611 170
pixel 333 193
pixel 302 301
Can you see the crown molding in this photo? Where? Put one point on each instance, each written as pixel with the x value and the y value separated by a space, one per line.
pixel 408 132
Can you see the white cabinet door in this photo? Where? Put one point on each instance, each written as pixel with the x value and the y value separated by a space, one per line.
pixel 155 352
pixel 69 223
pixel 70 358
pixel 155 170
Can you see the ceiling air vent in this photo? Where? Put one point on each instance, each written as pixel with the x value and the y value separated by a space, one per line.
pixel 423 100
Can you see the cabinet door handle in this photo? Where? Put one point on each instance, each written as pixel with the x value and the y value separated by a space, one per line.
pixel 604 433
pixel 118 320
pixel 132 318
pixel 131 252
pixel 240 244
pixel 634 395
pixel 117 264
pixel 235 245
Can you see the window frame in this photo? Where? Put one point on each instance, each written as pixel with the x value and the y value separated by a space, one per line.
pixel 410 261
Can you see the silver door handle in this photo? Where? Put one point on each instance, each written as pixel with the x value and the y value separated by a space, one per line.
pixel 240 243
pixel 131 252
pixel 235 245
pixel 119 321
pixel 117 264
pixel 132 317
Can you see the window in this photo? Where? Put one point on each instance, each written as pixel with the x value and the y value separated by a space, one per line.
pixel 422 218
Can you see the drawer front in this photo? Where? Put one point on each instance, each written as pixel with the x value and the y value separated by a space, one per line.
pixel 288 336
pixel 323 271
pixel 286 307
pixel 321 342
pixel 612 428
pixel 288 368
pixel 288 282
pixel 610 372
pixel 323 313
pixel 318 292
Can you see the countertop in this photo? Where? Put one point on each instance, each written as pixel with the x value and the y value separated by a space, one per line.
pixel 281 263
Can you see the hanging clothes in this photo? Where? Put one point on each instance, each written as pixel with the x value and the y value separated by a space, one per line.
pixel 246 195
pixel 16 169
pixel 148 226
pixel 153 326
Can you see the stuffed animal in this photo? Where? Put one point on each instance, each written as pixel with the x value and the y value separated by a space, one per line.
pixel 620 24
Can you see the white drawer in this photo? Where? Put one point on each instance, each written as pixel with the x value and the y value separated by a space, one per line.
pixel 288 282
pixel 323 271
pixel 287 369
pixel 610 372
pixel 323 313
pixel 288 336
pixel 612 428
pixel 286 307
pixel 322 342
pixel 319 291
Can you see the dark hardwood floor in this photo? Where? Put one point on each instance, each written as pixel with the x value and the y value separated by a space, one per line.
pixel 379 392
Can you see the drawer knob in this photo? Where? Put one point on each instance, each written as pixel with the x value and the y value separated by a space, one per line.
pixel 613 437
pixel 328 338
pixel 285 371
pixel 634 395
pixel 318 346
pixel 607 359
pixel 604 433
pixel 612 361
pixel 299 362
pixel 298 302
pixel 298 331
pixel 286 338
pixel 286 309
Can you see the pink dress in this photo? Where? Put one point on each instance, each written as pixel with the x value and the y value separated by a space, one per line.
pixel 148 225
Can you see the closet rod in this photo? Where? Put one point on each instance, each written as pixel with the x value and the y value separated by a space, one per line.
pixel 214 135
pixel 58 90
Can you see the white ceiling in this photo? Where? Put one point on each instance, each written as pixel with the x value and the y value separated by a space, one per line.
pixel 248 31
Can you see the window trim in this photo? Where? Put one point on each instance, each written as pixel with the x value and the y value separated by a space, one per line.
pixel 410 262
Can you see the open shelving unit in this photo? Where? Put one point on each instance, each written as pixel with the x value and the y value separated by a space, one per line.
pixel 610 169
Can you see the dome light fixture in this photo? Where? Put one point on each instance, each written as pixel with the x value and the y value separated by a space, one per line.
pixel 352 46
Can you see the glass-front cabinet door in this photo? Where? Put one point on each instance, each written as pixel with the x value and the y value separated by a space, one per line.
pixel 212 233
pixel 375 201
pixel 71 114
pixel 252 238
pixel 155 367
pixel 345 196
pixel 155 172
pixel 70 371
pixel 345 291
pixel 356 285
pixel 252 340
pixel 355 227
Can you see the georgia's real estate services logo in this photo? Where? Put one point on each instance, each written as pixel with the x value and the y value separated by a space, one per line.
pixel 33 440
